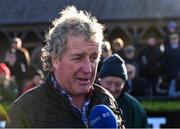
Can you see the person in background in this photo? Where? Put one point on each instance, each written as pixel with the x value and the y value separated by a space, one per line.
pixel 21 62
pixel 118 47
pixel 172 27
pixel 171 63
pixel 65 99
pixel 8 87
pixel 10 61
pixel 130 56
pixel 106 52
pixel 150 62
pixel 36 58
pixel 112 76
pixel 135 85
pixel 36 77
pixel 106 49
pixel 21 52
pixel 8 92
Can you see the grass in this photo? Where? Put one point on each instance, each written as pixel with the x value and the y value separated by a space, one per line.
pixel 161 105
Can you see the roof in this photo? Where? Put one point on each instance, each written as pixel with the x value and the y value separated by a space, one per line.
pixel 43 11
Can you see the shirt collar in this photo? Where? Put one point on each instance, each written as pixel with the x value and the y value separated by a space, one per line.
pixel 61 91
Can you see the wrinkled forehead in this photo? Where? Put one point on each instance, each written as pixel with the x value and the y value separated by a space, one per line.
pixel 85 38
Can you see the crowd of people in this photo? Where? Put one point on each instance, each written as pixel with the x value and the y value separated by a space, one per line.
pixel 154 68
pixel 71 57
pixel 17 72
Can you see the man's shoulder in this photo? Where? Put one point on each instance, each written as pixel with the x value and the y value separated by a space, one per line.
pixel 103 96
pixel 102 91
pixel 31 97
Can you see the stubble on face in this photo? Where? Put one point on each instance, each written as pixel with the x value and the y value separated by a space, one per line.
pixel 76 70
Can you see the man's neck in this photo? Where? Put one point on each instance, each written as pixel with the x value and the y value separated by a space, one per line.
pixel 78 101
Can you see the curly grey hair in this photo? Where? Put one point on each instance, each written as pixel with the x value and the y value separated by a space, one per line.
pixel 71 22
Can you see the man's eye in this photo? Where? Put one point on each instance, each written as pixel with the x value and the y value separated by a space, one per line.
pixel 109 83
pixel 76 58
pixel 94 58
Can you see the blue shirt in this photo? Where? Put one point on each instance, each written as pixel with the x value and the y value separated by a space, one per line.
pixel 69 98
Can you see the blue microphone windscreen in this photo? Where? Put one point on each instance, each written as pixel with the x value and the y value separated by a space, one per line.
pixel 101 116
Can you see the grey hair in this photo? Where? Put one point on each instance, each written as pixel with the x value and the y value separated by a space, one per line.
pixel 71 22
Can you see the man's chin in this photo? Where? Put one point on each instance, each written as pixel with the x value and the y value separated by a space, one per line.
pixel 85 91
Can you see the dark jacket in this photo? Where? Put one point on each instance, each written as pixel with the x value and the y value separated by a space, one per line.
pixel 150 60
pixel 137 88
pixel 171 59
pixel 44 107
pixel 133 113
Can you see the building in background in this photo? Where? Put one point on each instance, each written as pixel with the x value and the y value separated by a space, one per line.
pixel 131 20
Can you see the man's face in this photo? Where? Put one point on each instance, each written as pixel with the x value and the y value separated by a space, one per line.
pixel 76 70
pixel 14 45
pixel 117 47
pixel 113 84
pixel 151 41
pixel 129 54
pixel 131 71
pixel 174 40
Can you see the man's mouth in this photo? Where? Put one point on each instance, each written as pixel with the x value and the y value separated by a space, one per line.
pixel 84 81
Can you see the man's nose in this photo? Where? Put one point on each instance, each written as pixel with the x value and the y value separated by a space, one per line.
pixel 112 87
pixel 87 66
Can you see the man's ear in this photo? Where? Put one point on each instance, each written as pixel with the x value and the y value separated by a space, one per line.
pixel 55 62
pixel 123 85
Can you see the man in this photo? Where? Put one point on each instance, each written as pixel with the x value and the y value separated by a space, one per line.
pixel 171 63
pixel 130 56
pixel 21 52
pixel 113 76
pixel 150 61
pixel 20 63
pixel 135 85
pixel 172 28
pixel 106 52
pixel 66 98
pixel 118 46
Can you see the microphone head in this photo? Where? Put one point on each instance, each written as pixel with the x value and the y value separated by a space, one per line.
pixel 101 116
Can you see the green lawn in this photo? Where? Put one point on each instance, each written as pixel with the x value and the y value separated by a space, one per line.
pixel 161 105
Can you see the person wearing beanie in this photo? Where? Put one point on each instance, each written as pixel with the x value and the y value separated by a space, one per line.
pixel 172 27
pixel 112 76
